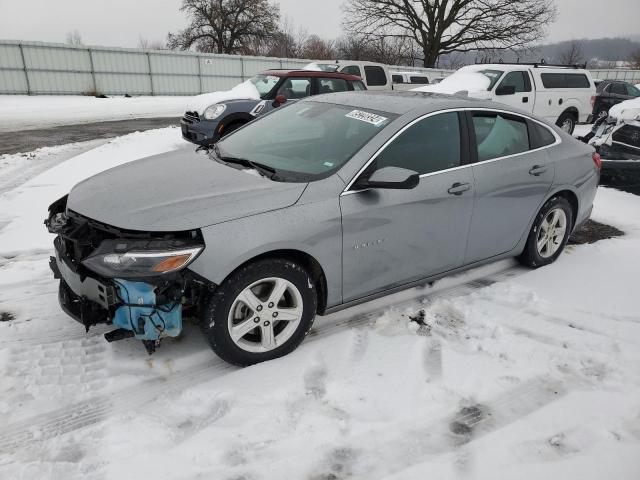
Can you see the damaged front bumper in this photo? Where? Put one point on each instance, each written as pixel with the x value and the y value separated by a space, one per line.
pixel 146 305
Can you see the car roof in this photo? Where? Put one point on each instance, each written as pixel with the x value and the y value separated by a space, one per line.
pixel 310 73
pixel 401 102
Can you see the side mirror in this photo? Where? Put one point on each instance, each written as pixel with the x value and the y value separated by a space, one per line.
pixel 280 99
pixel 506 90
pixel 392 178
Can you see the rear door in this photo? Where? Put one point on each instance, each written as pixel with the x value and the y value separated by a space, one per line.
pixel 524 96
pixel 512 173
pixel 393 237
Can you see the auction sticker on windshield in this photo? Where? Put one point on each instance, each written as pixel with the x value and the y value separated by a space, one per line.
pixel 368 117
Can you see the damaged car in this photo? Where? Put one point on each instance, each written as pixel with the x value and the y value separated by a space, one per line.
pixel 617 139
pixel 333 201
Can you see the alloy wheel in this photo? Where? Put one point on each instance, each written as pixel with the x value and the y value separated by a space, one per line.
pixel 265 314
pixel 551 233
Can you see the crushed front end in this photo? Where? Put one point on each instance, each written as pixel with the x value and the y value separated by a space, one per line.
pixel 136 281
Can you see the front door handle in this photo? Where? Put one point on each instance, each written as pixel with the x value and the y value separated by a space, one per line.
pixel 525 99
pixel 459 188
pixel 537 170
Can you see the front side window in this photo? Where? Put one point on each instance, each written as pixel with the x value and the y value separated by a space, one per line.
pixel 352 70
pixel 295 87
pixel 330 85
pixel 519 80
pixel 375 75
pixel 397 79
pixel 428 146
pixel 306 140
pixel 499 135
pixel 632 91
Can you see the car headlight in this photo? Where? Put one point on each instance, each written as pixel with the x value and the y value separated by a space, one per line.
pixel 214 111
pixel 122 259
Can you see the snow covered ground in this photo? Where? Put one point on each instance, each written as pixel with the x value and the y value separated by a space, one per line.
pixel 19 112
pixel 514 374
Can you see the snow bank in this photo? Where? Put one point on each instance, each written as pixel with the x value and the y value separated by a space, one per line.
pixel 245 90
pixel 470 82
pixel 23 210
pixel 628 110
pixel 19 112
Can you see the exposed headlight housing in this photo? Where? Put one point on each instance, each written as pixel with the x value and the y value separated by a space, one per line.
pixel 139 259
pixel 214 111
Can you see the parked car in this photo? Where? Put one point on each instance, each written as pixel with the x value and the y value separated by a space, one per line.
pixel 561 95
pixel 327 203
pixel 617 136
pixel 610 93
pixel 408 80
pixel 213 116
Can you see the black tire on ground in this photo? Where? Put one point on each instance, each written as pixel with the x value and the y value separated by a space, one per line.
pixel 531 255
pixel 567 117
pixel 214 320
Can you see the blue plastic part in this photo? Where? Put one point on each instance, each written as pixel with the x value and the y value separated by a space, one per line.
pixel 141 314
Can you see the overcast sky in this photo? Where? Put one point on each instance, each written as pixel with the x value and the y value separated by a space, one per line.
pixel 123 22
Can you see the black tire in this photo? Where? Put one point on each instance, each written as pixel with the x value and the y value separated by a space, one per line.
pixel 531 256
pixel 215 317
pixel 231 128
pixel 567 117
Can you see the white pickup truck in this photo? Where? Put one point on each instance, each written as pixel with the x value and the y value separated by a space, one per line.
pixel 563 95
pixel 376 76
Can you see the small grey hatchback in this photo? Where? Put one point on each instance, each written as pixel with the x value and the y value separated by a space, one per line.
pixel 332 201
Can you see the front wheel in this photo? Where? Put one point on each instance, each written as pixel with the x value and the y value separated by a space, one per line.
pixel 261 312
pixel 549 233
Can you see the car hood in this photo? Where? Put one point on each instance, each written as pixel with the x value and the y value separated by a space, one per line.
pixel 627 111
pixel 243 91
pixel 175 191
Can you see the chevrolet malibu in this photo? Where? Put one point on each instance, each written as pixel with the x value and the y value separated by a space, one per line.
pixel 332 201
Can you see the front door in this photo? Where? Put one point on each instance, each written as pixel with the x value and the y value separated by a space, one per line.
pixel 393 237
pixel 513 174
pixel 524 96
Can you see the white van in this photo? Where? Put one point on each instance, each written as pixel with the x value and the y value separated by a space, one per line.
pixel 374 75
pixel 560 94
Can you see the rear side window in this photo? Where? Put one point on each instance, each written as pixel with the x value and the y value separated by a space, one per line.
pixel 375 75
pixel 428 146
pixel 397 79
pixel 618 89
pixel 519 80
pixel 565 80
pixel 632 91
pixel 422 80
pixel 330 85
pixel 499 135
pixel 540 136
pixel 352 70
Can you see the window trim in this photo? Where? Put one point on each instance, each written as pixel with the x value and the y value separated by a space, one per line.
pixel 469 147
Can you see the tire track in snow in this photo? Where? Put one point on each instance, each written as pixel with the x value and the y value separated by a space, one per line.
pixel 92 411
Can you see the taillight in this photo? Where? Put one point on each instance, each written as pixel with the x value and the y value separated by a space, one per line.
pixel 593 101
pixel 597 160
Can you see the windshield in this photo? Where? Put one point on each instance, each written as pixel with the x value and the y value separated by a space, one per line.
pixel 264 83
pixel 493 76
pixel 306 140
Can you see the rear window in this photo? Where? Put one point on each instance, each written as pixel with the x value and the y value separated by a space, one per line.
pixel 375 75
pixel 565 80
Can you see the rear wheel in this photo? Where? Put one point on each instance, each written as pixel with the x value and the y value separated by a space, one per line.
pixel 549 233
pixel 567 122
pixel 261 312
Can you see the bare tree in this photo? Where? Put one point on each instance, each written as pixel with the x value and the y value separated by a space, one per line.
pixel 74 37
pixel 151 44
pixel 447 26
pixel 318 49
pixel 572 54
pixel 226 26
pixel 634 59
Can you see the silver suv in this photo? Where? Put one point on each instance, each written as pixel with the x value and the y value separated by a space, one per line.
pixel 327 203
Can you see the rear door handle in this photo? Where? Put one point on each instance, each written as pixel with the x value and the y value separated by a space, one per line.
pixel 459 188
pixel 537 170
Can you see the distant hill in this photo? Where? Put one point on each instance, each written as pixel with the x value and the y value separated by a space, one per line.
pixel 602 49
